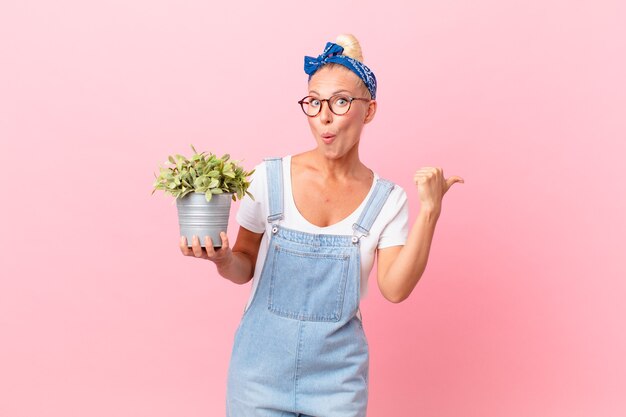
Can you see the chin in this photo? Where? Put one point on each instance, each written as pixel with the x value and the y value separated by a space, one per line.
pixel 324 150
pixel 332 153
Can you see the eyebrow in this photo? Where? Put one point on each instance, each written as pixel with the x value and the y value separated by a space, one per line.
pixel 338 91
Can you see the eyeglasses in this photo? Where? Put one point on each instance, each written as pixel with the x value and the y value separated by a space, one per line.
pixel 339 104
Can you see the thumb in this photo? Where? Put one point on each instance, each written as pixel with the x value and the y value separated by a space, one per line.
pixel 452 180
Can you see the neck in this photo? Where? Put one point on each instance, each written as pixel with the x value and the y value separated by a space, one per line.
pixel 347 166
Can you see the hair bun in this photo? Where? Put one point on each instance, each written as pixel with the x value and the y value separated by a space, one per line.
pixel 351 46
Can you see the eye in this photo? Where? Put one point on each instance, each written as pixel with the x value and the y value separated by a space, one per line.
pixel 314 102
pixel 341 101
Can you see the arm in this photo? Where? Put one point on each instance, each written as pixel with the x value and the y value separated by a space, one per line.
pixel 401 267
pixel 239 268
pixel 238 264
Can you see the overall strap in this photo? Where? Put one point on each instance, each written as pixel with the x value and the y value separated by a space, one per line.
pixel 274 166
pixel 382 189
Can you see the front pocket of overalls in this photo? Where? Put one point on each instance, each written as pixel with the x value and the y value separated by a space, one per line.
pixel 308 285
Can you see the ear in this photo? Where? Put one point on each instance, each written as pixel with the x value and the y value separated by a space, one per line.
pixel 371 111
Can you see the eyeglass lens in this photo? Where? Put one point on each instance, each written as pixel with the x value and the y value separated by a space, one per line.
pixel 339 104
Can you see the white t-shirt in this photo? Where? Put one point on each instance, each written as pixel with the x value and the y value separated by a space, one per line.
pixel 390 228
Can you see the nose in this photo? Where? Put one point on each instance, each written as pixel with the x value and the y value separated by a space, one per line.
pixel 326 116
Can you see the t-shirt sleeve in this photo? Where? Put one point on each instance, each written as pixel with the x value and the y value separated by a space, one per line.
pixel 251 212
pixel 396 231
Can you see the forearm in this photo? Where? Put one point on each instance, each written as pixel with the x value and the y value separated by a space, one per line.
pixel 407 269
pixel 239 269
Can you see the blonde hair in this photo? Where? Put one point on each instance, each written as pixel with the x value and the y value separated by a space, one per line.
pixel 351 46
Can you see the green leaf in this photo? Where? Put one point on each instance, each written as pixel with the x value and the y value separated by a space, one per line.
pixel 204 172
pixel 208 196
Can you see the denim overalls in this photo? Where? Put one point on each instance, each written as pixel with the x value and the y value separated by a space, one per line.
pixel 300 348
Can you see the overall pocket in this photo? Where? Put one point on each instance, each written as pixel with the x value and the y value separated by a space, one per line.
pixel 307 285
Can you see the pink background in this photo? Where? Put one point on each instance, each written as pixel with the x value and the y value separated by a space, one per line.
pixel 521 309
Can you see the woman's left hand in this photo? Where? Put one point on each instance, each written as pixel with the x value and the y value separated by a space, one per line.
pixel 432 186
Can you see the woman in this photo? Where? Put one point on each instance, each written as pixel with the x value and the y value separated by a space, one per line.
pixel 308 242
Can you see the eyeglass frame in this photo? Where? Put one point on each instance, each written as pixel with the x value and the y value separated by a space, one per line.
pixel 327 100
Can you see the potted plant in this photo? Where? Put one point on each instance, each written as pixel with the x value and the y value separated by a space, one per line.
pixel 203 187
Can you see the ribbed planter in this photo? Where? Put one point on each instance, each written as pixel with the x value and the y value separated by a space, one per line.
pixel 196 216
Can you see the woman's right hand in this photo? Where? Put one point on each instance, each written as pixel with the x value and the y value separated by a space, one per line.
pixel 220 257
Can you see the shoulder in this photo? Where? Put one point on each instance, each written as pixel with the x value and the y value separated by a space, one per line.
pixel 397 200
pixel 257 179
pixel 268 160
pixel 397 192
pixel 274 165
pixel 261 169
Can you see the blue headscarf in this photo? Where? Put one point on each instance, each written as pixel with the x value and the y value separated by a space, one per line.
pixel 332 53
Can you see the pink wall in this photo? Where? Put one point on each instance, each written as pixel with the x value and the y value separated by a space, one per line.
pixel 520 311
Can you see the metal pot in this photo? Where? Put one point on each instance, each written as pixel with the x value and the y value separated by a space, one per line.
pixel 196 216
